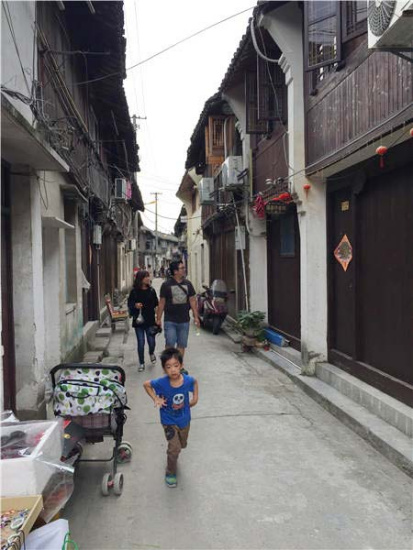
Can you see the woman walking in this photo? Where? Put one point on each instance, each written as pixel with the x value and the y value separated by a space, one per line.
pixel 142 303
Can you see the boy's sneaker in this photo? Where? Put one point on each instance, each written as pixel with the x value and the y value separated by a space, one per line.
pixel 170 480
pixel 153 358
pixel 141 367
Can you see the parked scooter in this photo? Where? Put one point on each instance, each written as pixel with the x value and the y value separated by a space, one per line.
pixel 212 305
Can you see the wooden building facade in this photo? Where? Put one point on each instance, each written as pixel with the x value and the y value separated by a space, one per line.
pixel 358 100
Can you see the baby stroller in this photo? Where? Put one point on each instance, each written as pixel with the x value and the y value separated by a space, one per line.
pixel 92 400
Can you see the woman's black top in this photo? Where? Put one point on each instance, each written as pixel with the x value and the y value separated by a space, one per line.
pixel 149 299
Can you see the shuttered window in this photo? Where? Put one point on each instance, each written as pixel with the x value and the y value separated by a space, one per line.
pixel 322 33
pixel 266 96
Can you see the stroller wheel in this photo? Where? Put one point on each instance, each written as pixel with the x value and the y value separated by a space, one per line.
pixel 107 483
pixel 118 484
pixel 124 453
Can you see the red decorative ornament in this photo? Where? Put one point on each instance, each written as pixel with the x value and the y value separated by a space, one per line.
pixel 306 187
pixel 259 207
pixel 381 151
pixel 284 197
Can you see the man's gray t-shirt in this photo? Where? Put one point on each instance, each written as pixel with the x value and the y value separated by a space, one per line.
pixel 177 300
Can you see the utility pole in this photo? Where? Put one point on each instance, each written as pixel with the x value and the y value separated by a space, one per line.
pixel 156 193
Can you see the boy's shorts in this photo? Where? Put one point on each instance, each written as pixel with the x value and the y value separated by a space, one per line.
pixel 176 334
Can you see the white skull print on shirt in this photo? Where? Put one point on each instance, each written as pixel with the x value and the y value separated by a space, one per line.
pixel 178 401
pixel 178 295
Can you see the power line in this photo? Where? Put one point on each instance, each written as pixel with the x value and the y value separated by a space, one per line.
pixel 98 79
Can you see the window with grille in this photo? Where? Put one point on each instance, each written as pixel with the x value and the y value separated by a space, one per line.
pixel 266 96
pixel 354 19
pixel 322 33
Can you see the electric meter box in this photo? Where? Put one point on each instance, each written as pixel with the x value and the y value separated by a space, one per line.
pixel 240 238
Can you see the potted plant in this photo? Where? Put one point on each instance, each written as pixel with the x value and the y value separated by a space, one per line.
pixel 251 324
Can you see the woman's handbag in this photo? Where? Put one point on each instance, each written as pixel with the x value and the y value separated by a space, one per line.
pixel 139 320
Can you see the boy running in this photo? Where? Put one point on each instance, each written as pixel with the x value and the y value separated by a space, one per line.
pixel 171 394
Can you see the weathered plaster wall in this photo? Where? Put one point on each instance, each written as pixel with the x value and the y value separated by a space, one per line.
pixel 256 230
pixel 285 27
pixel 28 291
pixel 22 20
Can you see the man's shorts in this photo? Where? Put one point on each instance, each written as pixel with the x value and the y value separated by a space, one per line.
pixel 176 334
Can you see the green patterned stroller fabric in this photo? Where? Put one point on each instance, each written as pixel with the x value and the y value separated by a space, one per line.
pixel 81 391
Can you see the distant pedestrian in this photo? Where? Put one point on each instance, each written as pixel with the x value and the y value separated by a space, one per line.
pixel 162 272
pixel 177 297
pixel 142 304
pixel 171 394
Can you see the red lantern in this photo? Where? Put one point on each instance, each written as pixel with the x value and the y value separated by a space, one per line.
pixel 381 150
pixel 307 187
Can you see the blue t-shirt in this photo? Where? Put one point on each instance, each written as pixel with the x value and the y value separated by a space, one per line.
pixel 177 410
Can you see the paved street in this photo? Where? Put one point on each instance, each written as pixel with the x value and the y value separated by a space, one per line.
pixel 266 467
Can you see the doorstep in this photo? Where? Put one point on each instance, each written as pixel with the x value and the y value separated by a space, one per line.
pixel 393 443
pixel 384 422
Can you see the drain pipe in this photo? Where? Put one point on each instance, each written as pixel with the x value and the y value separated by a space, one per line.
pixel 247 305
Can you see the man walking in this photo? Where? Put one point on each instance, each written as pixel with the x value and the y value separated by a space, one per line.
pixel 177 297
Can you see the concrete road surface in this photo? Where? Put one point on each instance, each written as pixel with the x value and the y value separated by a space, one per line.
pixel 265 468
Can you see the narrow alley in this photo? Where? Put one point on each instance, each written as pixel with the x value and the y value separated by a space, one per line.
pixel 265 467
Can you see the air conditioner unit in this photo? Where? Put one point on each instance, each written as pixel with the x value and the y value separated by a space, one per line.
pixel 120 189
pixel 206 191
pixel 131 245
pixel 231 167
pixel 390 24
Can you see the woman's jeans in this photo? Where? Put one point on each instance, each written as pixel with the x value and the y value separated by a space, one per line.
pixel 140 336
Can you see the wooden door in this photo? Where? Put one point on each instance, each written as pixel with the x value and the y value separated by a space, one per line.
pixel 7 334
pixel 283 253
pixel 385 229
pixel 371 303
pixel 342 290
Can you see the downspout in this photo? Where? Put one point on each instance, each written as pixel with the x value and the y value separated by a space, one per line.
pixel 247 305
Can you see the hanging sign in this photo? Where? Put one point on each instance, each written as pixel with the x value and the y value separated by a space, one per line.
pixel 344 252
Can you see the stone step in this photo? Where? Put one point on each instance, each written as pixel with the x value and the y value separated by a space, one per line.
pixel 99 344
pixel 103 332
pixel 112 360
pixel 92 357
pixel 387 439
pixel 384 406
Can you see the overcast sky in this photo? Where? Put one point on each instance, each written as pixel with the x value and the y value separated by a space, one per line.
pixel 171 89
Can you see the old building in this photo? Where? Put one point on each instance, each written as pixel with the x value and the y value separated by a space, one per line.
pixel 323 120
pixel 69 191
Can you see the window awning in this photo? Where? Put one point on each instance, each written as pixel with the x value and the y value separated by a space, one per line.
pixel 22 144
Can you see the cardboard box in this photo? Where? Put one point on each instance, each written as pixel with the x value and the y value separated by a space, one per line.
pixel 34 503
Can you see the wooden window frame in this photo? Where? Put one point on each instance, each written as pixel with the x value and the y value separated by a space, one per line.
pixel 346 36
pixel 307 23
pixel 253 125
pixel 271 82
pixel 260 115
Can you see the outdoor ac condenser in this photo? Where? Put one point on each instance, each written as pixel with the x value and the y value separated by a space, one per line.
pixel 206 191
pixel 231 167
pixel 390 25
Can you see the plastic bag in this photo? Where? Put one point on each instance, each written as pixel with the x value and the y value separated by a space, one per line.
pixel 139 319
